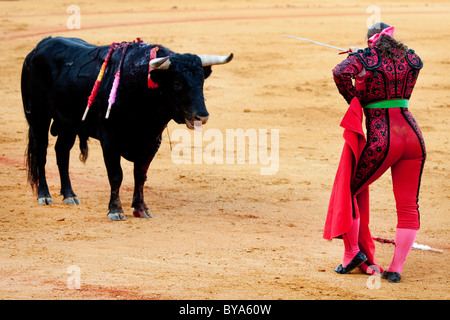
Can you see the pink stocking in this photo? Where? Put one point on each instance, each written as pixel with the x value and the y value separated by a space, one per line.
pixel 404 239
pixel 351 242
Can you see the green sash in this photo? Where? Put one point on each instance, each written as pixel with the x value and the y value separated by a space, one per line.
pixel 393 103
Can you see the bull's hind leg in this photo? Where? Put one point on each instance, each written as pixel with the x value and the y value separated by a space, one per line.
pixel 63 145
pixel 115 176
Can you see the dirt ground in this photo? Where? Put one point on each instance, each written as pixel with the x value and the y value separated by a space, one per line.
pixel 224 231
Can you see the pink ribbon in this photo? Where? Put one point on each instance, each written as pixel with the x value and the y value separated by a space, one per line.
pixel 112 94
pixel 387 31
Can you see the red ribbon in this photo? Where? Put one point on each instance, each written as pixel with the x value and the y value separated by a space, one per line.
pixel 151 84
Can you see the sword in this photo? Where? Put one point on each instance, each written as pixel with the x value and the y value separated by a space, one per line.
pixel 322 44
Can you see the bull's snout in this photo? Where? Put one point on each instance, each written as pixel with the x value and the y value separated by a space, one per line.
pixel 197 117
pixel 202 117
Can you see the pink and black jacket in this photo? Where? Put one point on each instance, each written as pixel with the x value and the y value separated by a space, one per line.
pixel 384 79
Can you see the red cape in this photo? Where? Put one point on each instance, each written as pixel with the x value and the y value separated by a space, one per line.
pixel 341 211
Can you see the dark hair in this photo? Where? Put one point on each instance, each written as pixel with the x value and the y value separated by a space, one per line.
pixel 376 28
pixel 389 47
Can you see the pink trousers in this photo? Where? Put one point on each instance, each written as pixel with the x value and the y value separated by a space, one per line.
pixel 394 141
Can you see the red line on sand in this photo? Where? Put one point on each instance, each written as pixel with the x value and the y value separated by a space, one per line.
pixel 12 162
pixel 206 19
pixel 158 11
pixel 50 173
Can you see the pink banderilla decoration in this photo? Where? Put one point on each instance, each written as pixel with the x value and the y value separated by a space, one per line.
pixel 113 93
pixel 415 245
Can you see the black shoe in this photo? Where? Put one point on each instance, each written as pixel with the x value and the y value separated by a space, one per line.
pixel 393 277
pixel 358 260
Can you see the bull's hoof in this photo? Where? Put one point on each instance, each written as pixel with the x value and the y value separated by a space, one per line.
pixel 71 201
pixel 116 216
pixel 142 213
pixel 45 200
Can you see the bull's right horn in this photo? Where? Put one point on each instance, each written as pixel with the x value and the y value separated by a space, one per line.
pixel 208 60
pixel 160 63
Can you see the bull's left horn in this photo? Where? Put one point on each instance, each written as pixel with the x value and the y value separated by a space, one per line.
pixel 208 60
pixel 160 63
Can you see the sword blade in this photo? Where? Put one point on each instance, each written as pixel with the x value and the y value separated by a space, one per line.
pixel 319 43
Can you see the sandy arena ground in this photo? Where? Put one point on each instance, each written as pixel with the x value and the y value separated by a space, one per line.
pixel 224 231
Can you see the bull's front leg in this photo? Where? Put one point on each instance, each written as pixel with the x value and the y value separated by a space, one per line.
pixel 140 176
pixel 115 176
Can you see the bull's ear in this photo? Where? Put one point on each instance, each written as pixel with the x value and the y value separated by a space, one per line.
pixel 207 72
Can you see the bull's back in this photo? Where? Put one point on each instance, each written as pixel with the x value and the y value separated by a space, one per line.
pixel 57 77
pixel 57 61
pixel 58 72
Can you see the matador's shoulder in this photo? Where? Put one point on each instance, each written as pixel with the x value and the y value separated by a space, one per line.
pixel 413 59
pixel 369 57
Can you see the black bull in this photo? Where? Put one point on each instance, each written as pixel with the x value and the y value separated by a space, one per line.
pixel 57 79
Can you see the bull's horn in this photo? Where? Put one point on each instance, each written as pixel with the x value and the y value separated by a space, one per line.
pixel 208 60
pixel 160 63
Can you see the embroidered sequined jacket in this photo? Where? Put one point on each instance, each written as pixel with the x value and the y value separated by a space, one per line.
pixel 384 79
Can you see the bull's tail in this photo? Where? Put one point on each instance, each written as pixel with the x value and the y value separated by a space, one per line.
pixel 84 150
pixel 31 149
pixel 31 160
pixel 36 113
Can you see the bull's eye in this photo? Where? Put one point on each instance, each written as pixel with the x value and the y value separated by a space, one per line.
pixel 178 86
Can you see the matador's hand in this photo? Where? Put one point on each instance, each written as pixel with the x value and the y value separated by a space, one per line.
pixel 354 49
